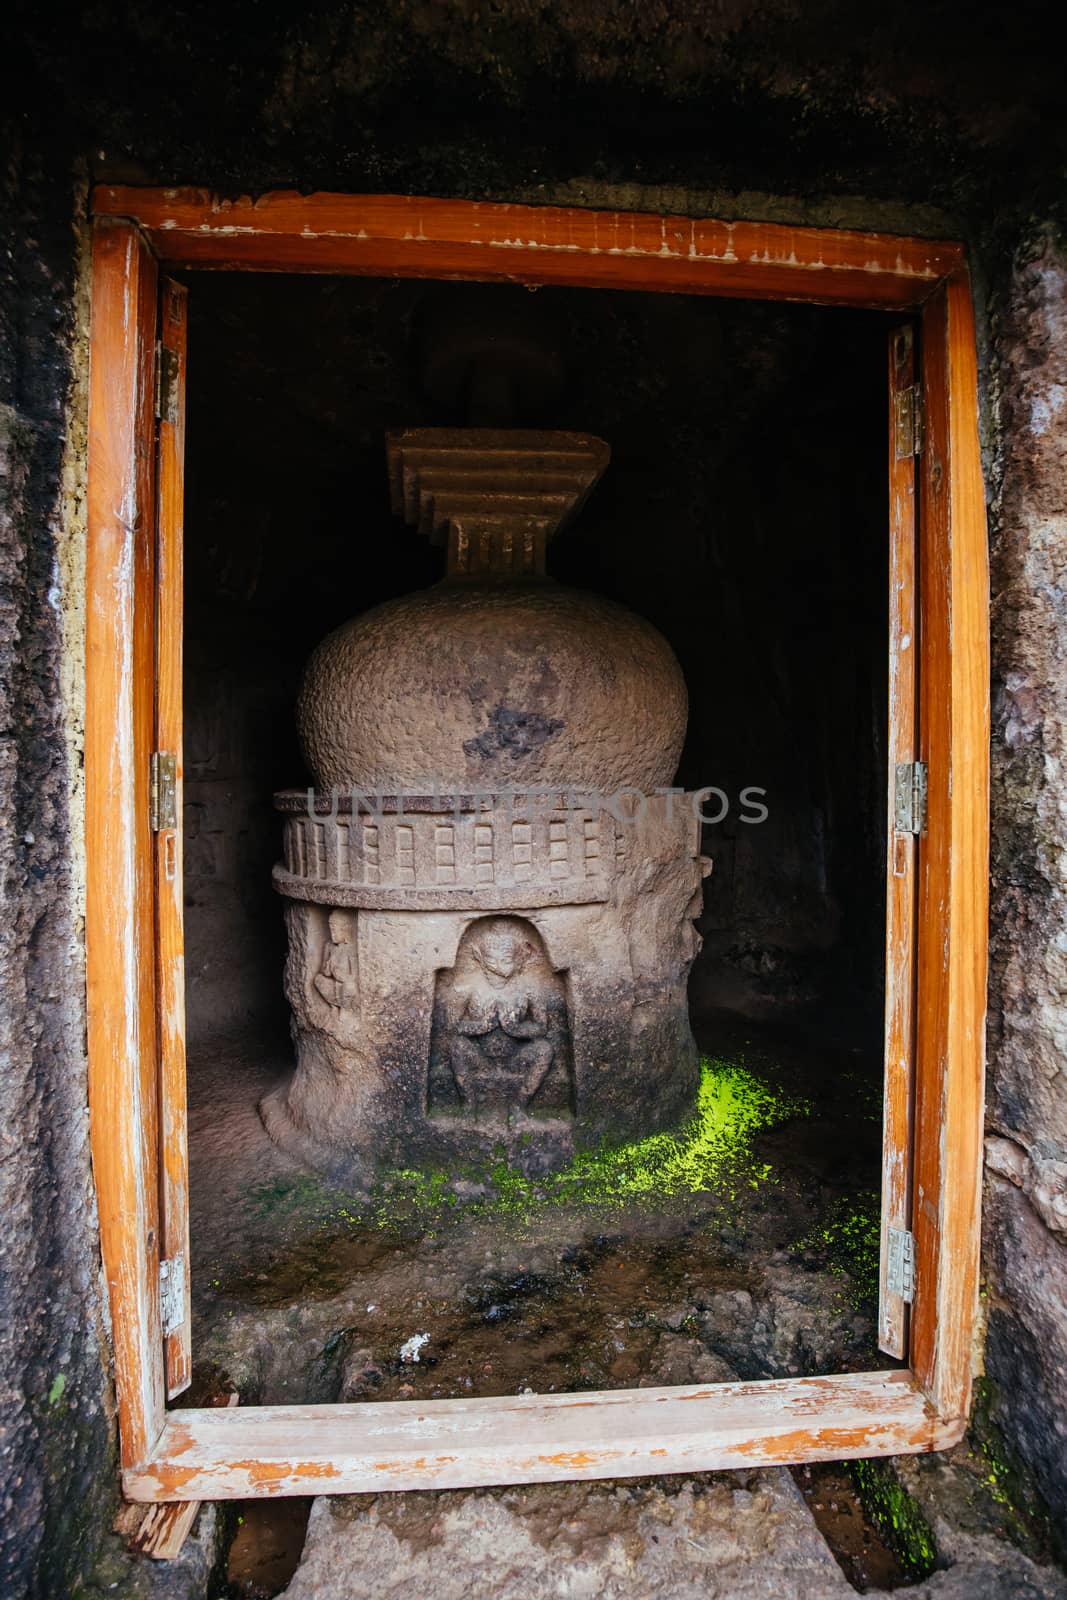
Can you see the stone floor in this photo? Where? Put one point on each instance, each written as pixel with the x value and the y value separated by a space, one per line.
pixel 726 1537
pixel 751 1253
pixel 763 1265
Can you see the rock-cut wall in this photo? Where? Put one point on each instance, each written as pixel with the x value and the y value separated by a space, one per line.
pixel 57 1464
pixel 727 109
pixel 1026 1148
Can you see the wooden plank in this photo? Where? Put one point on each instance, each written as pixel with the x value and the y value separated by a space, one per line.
pixel 440 1444
pixel 901 746
pixel 408 236
pixel 954 858
pixel 164 1528
pixel 170 931
pixel 160 1529
pixel 119 714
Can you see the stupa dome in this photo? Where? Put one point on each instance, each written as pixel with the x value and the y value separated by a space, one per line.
pixel 497 677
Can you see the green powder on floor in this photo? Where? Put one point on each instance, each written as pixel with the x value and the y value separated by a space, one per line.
pixel 848 1243
pixel 713 1152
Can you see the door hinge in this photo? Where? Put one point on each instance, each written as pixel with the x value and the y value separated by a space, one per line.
pixel 168 371
pixel 909 801
pixel 900 1263
pixel 172 1294
pixel 163 791
pixel 907 422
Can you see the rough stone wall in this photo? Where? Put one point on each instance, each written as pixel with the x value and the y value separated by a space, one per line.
pixel 1026 1192
pixel 56 1455
pixel 829 116
pixel 59 1489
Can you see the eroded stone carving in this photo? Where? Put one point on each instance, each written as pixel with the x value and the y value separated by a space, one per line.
pixel 338 979
pixel 497 676
pixel 500 1027
pixel 466 973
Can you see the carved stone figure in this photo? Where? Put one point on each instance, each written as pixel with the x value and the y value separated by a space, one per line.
pixel 500 1022
pixel 338 980
pixel 521 973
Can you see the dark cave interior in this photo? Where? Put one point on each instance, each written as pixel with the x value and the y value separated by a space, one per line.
pixel 743 514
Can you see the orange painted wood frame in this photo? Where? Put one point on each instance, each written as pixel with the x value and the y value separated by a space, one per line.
pixel 270 1450
pixel 170 914
pixel 898 1100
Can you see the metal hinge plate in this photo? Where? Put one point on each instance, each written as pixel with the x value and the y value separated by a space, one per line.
pixel 907 422
pixel 900 1263
pixel 909 797
pixel 172 1295
pixel 168 371
pixel 163 791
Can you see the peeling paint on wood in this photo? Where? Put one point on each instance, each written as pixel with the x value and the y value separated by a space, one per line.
pixel 402 236
pixel 954 863
pixel 170 933
pixel 292 1450
pixel 537 1438
pixel 901 746
pixel 120 964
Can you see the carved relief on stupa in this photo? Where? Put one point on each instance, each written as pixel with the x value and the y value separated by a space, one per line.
pixel 490 894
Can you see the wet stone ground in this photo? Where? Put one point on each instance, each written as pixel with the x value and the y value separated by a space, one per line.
pixel 746 1248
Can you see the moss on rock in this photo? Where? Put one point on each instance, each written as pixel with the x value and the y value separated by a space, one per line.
pixel 898 1517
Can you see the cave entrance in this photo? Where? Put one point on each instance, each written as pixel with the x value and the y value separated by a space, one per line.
pixel 761 415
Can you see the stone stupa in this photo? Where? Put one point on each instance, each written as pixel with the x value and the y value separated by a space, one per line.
pixel 489 905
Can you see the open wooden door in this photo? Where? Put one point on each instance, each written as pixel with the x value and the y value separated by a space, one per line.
pixel 905 823
pixel 167 824
pixel 937 877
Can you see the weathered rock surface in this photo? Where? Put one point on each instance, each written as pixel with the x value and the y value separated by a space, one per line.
pixel 497 677
pixel 429 1032
pixel 301 1297
pixel 487 688
pixel 1026 1195
pixel 741 1539
pixel 428 1027
pixel 741 1536
pixel 911 113
pixel 57 1463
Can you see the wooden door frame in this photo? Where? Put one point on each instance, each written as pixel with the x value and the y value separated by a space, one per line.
pixel 269 1450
